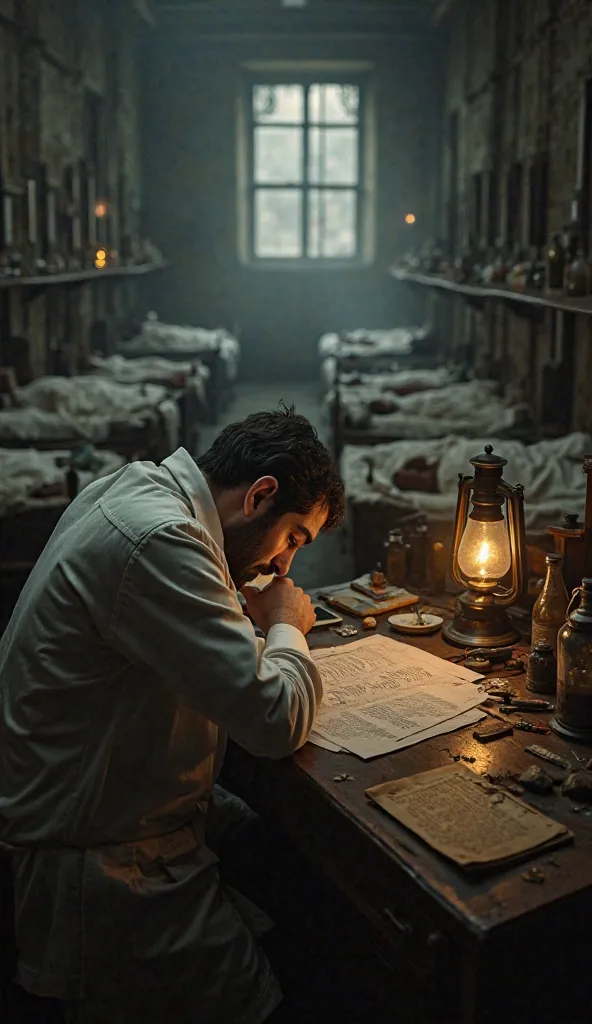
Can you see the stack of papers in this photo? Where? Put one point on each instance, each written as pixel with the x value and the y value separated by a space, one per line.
pixel 381 695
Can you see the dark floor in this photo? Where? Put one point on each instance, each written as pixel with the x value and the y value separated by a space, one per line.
pixel 327 560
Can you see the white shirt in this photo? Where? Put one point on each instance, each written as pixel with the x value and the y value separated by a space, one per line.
pixel 125 664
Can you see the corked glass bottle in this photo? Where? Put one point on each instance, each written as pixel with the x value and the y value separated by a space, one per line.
pixel 548 614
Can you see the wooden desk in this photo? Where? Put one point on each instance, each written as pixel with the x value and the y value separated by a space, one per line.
pixel 485 951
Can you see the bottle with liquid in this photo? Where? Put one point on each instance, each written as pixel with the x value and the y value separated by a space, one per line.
pixel 395 559
pixel 549 612
pixel 573 718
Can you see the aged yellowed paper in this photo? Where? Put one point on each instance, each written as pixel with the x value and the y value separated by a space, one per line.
pixel 465 818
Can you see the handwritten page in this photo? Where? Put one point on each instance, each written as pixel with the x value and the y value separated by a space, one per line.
pixel 465 818
pixel 378 693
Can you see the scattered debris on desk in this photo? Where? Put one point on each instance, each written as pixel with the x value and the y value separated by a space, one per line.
pixel 497 686
pixel 459 757
pixel 343 777
pixel 536 780
pixel 527 703
pixel 492 731
pixel 507 780
pixel 549 755
pixel 481 665
pixel 534 875
pixel 579 759
pixel 523 726
pixel 369 622
pixel 344 630
pixel 578 786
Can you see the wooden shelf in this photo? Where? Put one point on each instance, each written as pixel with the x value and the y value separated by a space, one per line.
pixel 485 291
pixel 75 277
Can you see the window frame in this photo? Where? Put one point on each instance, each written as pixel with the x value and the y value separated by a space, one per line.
pixel 306 77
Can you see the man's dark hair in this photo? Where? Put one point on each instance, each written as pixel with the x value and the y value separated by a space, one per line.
pixel 286 446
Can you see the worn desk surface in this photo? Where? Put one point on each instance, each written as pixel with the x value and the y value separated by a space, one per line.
pixel 451 927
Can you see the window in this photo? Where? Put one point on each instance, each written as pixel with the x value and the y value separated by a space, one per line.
pixel 305 170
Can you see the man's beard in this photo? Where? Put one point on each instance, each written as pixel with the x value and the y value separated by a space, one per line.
pixel 242 546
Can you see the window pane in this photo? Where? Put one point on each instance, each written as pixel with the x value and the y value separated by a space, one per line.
pixel 278 155
pixel 278 103
pixel 333 156
pixel 335 104
pixel 278 228
pixel 332 230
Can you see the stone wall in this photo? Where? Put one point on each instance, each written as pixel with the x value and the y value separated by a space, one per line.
pixel 515 75
pixel 58 60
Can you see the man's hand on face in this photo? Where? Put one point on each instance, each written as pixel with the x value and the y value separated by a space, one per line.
pixel 281 601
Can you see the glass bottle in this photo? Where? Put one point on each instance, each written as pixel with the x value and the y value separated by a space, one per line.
pixel 395 559
pixel 577 276
pixel 573 718
pixel 548 614
pixel 555 263
pixel 439 568
pixel 541 673
pixel 418 557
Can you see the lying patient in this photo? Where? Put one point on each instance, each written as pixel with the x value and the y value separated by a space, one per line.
pixel 418 475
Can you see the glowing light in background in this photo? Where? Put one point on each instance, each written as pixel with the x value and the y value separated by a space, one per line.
pixel 101 209
pixel 410 218
pixel 101 259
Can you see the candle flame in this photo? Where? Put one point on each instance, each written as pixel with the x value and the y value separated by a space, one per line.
pixel 483 553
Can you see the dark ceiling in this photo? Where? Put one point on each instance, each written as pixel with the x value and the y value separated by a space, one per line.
pixel 330 17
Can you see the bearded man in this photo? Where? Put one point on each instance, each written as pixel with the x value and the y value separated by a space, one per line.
pixel 127 662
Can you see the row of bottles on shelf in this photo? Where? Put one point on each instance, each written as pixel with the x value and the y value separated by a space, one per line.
pixel 562 267
pixel 50 228
pixel 568 269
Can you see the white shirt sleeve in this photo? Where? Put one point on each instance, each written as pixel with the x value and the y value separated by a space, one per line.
pixel 178 614
pixel 284 635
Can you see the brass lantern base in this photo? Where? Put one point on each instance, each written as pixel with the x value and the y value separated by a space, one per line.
pixel 571 732
pixel 480 622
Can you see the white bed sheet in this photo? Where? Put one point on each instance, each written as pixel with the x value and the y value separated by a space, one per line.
pixel 357 390
pixel 468 409
pixel 550 472
pixel 384 379
pixel 159 337
pixel 85 407
pixel 363 343
pixel 152 369
pixel 25 471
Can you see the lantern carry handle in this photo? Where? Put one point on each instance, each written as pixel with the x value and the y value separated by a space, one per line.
pixel 515 502
pixel 462 505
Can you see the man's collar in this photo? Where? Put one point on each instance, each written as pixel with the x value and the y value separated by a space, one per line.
pixel 195 488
